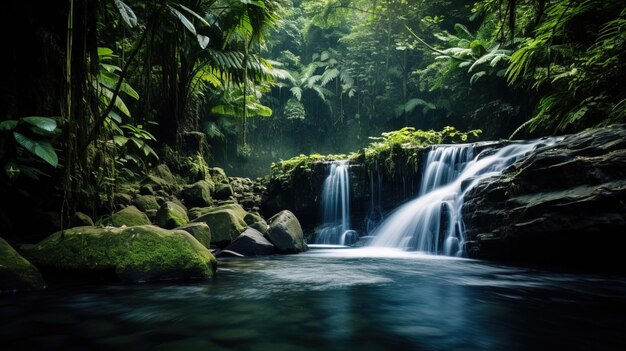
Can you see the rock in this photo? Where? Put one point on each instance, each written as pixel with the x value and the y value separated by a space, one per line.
pixel 250 243
pixel 16 273
pixel 285 233
pixel 146 189
pixel 254 220
pixel 80 219
pixel 122 199
pixel 218 175
pixel 170 216
pixel 198 194
pixel 225 224
pixel 134 254
pixel 161 178
pixel 200 231
pixel 130 216
pixel 223 191
pixel 146 202
pixel 564 204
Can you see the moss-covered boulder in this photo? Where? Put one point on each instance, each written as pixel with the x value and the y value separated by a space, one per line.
pixel 80 219
pixel 286 233
pixel 225 223
pixel 146 203
pixel 200 231
pixel 134 254
pixel 16 273
pixel 170 216
pixel 223 191
pixel 130 216
pixel 161 178
pixel 218 175
pixel 198 194
pixel 254 220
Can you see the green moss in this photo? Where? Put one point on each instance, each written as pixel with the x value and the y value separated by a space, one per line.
pixel 226 224
pixel 16 272
pixel 171 215
pixel 198 194
pixel 130 216
pixel 200 231
pixel 136 254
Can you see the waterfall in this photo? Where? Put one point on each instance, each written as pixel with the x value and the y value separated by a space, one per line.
pixel 432 222
pixel 336 207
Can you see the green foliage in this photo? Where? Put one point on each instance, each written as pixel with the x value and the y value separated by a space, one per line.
pixel 33 134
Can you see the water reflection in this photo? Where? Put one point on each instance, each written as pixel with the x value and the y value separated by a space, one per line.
pixel 331 300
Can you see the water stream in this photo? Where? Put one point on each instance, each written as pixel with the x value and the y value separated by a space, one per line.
pixel 335 228
pixel 432 222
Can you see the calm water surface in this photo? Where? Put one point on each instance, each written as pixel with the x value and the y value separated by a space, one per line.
pixel 330 300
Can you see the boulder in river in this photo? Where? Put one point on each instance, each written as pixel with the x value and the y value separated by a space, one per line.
pixel 250 243
pixel 133 254
pixel 286 233
pixel 226 223
pixel 200 231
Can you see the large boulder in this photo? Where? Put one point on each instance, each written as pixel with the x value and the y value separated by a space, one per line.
pixel 129 216
pixel 161 178
pixel 285 233
pixel 16 273
pixel 226 223
pixel 562 204
pixel 250 243
pixel 223 191
pixel 171 215
pixel 254 220
pixel 198 194
pixel 218 175
pixel 146 203
pixel 134 254
pixel 200 231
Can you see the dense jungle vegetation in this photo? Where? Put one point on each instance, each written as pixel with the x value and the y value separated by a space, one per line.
pixel 95 92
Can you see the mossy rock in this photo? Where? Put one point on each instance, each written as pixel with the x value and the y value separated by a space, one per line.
pixel 146 202
pixel 223 191
pixel 198 194
pixel 200 231
pixel 197 212
pixel 80 219
pixel 218 175
pixel 134 254
pixel 170 216
pixel 130 216
pixel 254 220
pixel 122 198
pixel 225 224
pixel 16 273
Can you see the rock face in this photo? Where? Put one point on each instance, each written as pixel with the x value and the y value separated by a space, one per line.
pixel 561 204
pixel 250 243
pixel 285 233
pixel 134 254
pixel 16 273
pixel 130 216
pixel 171 215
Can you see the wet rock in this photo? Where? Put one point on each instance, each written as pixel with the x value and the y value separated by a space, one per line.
pixel 16 273
pixel 561 204
pixel 226 223
pixel 286 233
pixel 250 243
pixel 134 254
pixel 170 216
pixel 130 216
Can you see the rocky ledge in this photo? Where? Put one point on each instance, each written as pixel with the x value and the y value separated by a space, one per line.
pixel 564 204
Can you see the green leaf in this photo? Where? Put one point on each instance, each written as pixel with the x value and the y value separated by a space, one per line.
pixel 45 123
pixel 120 140
pixel 8 125
pixel 203 40
pixel 184 20
pixel 194 14
pixel 43 149
pixel 127 13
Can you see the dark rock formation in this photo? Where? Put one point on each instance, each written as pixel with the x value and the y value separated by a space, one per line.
pixel 16 273
pixel 250 243
pixel 562 204
pixel 198 194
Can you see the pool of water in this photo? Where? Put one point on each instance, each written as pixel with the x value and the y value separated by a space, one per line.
pixel 330 300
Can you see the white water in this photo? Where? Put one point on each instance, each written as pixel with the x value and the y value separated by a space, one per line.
pixel 336 207
pixel 432 223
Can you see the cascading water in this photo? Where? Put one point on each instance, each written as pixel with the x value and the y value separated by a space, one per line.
pixel 432 223
pixel 336 207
